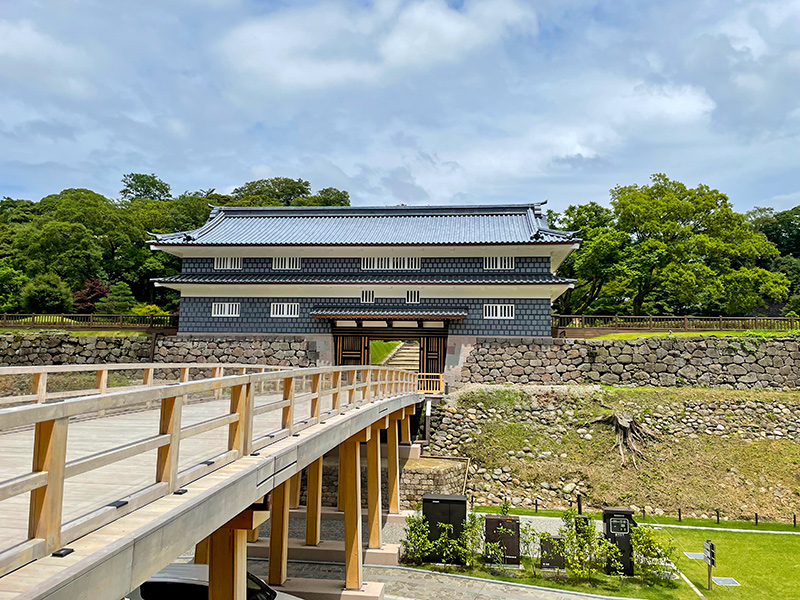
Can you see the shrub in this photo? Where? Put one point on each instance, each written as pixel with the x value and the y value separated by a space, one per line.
pixel 47 293
pixel 652 559
pixel 505 506
pixel 93 290
pixel 586 552
pixel 416 545
pixel 148 310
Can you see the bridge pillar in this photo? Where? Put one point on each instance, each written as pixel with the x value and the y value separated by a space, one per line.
pixel 294 490
pixel 279 535
pixel 350 484
pixel 374 483
pixel 313 502
pixel 393 463
pixel 405 429
pixel 227 565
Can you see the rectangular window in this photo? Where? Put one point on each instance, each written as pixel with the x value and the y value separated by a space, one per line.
pixel 412 296
pixel 228 263
pixel 498 263
pixel 225 309
pixel 367 296
pixel 286 310
pixel 498 311
pixel 286 263
pixel 391 263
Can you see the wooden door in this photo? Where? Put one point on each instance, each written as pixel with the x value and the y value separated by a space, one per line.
pixel 432 354
pixel 352 349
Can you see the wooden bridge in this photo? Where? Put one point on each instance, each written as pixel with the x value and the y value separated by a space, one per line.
pixel 123 481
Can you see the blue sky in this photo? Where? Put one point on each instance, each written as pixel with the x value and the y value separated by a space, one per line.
pixel 420 102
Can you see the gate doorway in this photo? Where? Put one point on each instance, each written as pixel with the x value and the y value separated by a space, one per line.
pixel 353 347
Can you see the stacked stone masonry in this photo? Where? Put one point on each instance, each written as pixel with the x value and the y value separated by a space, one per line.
pixel 739 363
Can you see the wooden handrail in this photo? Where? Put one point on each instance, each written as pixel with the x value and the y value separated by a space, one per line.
pixel 675 322
pixel 45 482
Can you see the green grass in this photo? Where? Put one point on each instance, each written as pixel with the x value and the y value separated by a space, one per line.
pixel 632 335
pixel 78 333
pixel 600 584
pixel 379 350
pixel 766 566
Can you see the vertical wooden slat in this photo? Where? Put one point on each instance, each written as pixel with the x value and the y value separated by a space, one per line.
pixel 315 400
pixel 366 376
pixel 46 505
pixel 393 466
pixel 218 372
pixel 39 386
pixel 101 380
pixel 405 430
pixel 287 418
pixel 374 487
pixel 279 535
pixel 294 490
pixel 227 565
pixel 336 385
pixel 237 434
pixel 201 551
pixel 313 502
pixel 167 456
pixel 147 378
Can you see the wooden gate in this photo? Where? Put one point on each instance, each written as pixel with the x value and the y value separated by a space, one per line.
pixel 352 349
pixel 432 354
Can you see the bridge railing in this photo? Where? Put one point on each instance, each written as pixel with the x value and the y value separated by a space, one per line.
pixel 36 379
pixel 87 321
pixel 674 323
pixel 343 388
pixel 430 383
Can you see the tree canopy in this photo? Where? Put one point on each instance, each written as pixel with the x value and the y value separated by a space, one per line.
pixel 664 248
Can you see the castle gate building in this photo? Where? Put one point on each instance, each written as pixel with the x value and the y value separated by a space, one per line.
pixel 349 276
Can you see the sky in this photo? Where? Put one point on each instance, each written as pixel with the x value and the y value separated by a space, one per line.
pixel 416 102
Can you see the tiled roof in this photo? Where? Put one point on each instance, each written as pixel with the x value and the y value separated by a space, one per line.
pixel 373 226
pixel 390 278
pixel 387 312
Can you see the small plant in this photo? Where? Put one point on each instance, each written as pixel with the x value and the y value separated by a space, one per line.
pixel 505 506
pixel 416 545
pixel 652 559
pixel 470 540
pixel 529 543
pixel 493 553
pixel 586 553
pixel 445 546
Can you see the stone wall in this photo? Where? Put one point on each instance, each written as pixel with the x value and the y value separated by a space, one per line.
pixel 417 477
pixel 62 349
pixel 723 362
pixel 556 414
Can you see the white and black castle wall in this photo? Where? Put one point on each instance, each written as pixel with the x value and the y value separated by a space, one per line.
pixel 531 316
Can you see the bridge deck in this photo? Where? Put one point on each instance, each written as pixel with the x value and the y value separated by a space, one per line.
pixel 86 492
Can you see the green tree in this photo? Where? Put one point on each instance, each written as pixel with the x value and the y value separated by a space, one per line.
pixel 67 249
pixel 282 189
pixel 325 197
pixel 11 284
pixel 120 300
pixel 47 293
pixel 140 185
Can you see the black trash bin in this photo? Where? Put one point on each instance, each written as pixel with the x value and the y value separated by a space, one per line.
pixel 443 508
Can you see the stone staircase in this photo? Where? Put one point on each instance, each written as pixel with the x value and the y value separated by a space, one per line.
pixel 405 357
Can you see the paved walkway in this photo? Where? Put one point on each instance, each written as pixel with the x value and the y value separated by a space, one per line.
pixel 414 584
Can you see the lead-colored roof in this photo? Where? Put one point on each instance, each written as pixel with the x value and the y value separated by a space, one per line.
pixel 371 226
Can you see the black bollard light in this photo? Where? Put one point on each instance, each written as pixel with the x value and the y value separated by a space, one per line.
pixel 756 519
pixel 679 515
pixel 717 516
pixel 580 504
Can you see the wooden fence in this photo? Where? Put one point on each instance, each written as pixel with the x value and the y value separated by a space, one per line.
pixel 673 323
pixel 347 387
pixel 90 321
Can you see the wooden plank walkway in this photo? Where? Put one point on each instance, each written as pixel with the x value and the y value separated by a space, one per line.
pixel 97 488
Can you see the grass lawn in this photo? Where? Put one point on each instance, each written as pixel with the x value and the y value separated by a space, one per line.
pixel 601 584
pixel 78 333
pixel 379 350
pixel 766 566
pixel 632 335
pixel 652 520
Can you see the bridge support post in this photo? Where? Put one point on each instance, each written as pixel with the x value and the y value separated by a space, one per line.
pixel 393 463
pixel 279 534
pixel 313 502
pixel 49 455
pixel 350 457
pixel 227 565
pixel 405 430
pixel 374 483
pixel 294 490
